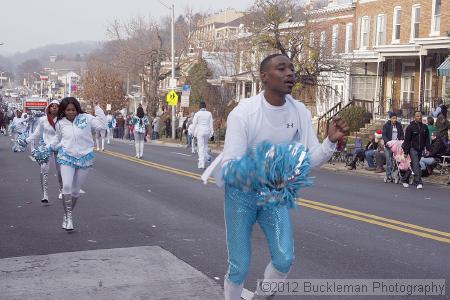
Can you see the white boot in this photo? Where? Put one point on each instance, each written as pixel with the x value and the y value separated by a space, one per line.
pixel 231 290
pixel 97 142
pixel 269 274
pixel 67 203
pixel 44 187
pixel 103 144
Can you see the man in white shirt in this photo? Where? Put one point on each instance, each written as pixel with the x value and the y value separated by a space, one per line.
pixel 203 128
pixel 276 117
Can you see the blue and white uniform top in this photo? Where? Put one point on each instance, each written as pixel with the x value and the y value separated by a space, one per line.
pixel 19 125
pixel 139 126
pixel 111 121
pixel 43 130
pixel 74 139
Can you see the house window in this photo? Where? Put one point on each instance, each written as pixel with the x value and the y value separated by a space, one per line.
pixel 381 30
pixel 363 87
pixel 334 42
pixel 428 85
pixel 311 45
pixel 415 22
pixel 365 32
pixel 436 17
pixel 348 37
pixel 396 22
pixel 407 84
pixel 322 42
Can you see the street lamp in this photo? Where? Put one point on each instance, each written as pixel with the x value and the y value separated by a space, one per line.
pixel 171 7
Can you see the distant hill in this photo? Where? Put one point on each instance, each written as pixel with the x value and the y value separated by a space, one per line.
pixel 73 51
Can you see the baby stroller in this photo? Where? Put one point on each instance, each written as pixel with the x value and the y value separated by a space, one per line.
pixel 401 165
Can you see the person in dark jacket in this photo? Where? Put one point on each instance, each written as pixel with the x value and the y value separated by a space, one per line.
pixel 437 149
pixel 392 130
pixel 442 123
pixel 416 140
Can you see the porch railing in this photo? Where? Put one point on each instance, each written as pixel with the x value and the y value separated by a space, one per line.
pixel 324 120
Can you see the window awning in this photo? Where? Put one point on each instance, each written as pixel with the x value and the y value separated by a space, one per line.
pixel 444 68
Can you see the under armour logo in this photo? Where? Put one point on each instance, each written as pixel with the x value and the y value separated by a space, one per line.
pixel 290 125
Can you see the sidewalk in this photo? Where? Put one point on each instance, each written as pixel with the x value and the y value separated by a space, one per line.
pixel 341 167
pixel 123 273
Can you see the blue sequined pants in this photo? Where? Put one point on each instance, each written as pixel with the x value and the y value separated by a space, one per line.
pixel 241 213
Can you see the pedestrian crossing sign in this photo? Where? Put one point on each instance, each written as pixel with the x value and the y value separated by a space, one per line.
pixel 172 98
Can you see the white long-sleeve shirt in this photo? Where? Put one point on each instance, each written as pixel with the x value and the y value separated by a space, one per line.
pixel 44 130
pixel 75 138
pixel 203 123
pixel 254 120
pixel 20 124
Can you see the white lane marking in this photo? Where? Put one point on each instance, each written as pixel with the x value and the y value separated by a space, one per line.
pixel 178 153
pixel 32 158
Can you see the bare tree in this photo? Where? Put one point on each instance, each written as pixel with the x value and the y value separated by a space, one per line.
pixel 103 84
pixel 284 26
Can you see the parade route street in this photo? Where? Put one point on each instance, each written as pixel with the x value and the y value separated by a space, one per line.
pixel 346 226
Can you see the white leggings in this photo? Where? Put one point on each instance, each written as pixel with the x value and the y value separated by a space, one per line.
pixel 73 179
pixel 139 143
pixel 45 167
pixel 101 135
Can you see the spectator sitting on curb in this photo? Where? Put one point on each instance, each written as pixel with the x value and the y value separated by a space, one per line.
pixel 380 157
pixel 360 153
pixel 437 149
pixel 370 154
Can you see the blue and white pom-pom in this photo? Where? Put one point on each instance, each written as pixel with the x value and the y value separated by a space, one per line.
pixel 276 172
pixel 21 143
pixel 41 153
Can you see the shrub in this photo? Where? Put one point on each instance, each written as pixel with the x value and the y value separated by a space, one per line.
pixel 356 117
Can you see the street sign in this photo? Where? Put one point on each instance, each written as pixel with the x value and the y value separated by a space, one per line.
pixel 172 83
pixel 186 92
pixel 172 98
pixel 43 78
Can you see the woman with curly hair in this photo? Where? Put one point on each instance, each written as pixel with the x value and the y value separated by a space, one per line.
pixel 75 146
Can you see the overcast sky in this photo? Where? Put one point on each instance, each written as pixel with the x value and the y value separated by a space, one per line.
pixel 27 24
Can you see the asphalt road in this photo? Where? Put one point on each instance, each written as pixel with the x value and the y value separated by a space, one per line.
pixel 346 227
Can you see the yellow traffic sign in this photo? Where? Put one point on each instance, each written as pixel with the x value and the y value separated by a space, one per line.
pixel 172 98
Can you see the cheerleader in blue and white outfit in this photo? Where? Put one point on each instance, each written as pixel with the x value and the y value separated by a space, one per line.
pixel 18 126
pixel 111 124
pixel 44 133
pixel 270 146
pixel 75 146
pixel 140 122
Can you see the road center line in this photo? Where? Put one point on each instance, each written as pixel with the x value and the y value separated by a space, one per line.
pixel 178 153
pixel 335 210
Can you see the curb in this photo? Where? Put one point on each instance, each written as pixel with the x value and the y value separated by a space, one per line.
pixel 441 180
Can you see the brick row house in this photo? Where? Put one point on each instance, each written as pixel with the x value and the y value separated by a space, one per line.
pixel 393 51
pixel 398 48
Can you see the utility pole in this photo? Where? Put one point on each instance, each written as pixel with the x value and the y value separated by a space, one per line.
pixel 174 107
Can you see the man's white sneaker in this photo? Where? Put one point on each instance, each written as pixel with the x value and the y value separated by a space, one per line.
pixel 405 185
pixel 419 186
